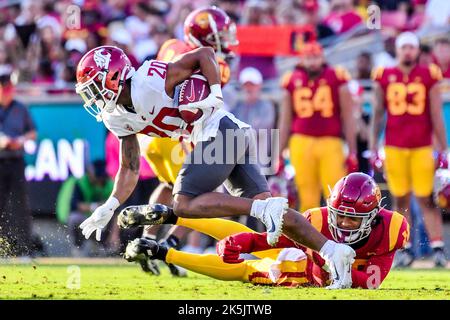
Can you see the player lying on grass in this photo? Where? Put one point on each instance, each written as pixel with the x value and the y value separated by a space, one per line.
pixel 353 216
pixel 130 102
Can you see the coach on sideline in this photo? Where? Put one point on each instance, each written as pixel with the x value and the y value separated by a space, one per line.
pixel 16 127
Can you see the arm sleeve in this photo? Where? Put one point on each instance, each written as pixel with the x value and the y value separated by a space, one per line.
pixel 374 272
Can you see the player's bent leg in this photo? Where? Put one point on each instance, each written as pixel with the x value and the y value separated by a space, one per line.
pixel 208 264
pixel 214 227
pixel 303 157
pixel 162 194
pixel 405 257
pixel 331 164
pixel 402 205
pixel 434 225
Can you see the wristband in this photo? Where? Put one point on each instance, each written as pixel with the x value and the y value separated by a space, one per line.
pixel 216 90
pixel 112 203
pixel 327 249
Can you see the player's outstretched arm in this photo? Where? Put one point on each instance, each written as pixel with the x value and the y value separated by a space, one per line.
pixel 128 174
pixel 126 180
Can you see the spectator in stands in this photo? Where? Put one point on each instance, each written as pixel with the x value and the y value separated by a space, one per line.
pixel 16 127
pixel 342 17
pixel 394 13
pixel 425 55
pixel 137 25
pixel 387 57
pixel 120 37
pixel 231 7
pixel 256 13
pixel 441 52
pixel 418 15
pixel 437 13
pixel 88 192
pixel 253 109
pixel 309 14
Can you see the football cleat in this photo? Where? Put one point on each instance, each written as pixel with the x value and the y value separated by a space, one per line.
pixel 270 212
pixel 177 271
pixel 141 249
pixel 149 266
pixel 439 258
pixel 403 258
pixel 174 270
pixel 147 214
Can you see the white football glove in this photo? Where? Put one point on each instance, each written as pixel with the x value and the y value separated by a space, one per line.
pixel 99 218
pixel 339 259
pixel 213 101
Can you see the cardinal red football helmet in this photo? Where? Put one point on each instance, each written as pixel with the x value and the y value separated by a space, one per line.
pixel 210 27
pixel 441 190
pixel 355 195
pixel 101 74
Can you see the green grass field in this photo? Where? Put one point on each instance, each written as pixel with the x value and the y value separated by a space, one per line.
pixel 127 281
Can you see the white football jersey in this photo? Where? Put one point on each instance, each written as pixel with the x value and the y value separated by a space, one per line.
pixel 156 114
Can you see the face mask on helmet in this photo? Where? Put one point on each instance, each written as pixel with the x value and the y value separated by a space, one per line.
pixel 97 98
pixel 350 236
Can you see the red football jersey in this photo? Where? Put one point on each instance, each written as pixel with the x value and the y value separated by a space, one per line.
pixel 374 255
pixel 315 102
pixel 172 48
pixel 407 102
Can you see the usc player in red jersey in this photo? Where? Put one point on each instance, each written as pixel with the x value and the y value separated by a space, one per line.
pixel 316 112
pixel 409 95
pixel 353 216
pixel 210 27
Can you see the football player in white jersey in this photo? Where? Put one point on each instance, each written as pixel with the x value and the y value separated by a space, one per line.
pixel 132 101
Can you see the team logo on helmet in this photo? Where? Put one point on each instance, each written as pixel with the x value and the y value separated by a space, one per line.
pixel 102 58
pixel 202 19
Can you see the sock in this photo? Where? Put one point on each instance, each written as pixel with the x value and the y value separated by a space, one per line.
pixel 161 253
pixel 214 227
pixel 208 264
pixel 437 245
pixel 258 207
pixel 172 241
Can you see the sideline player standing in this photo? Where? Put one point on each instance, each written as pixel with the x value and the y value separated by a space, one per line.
pixel 409 95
